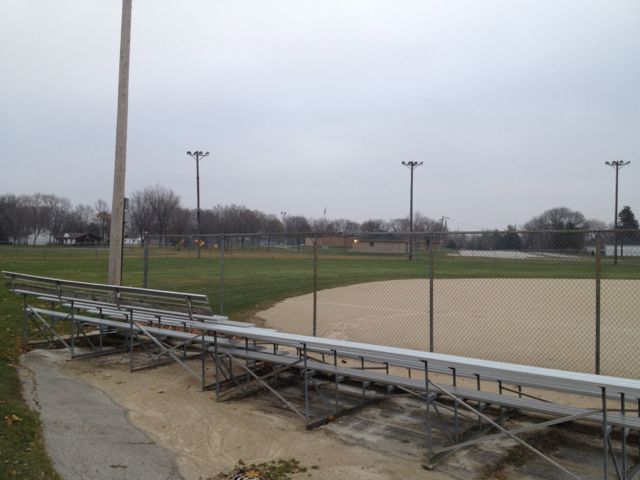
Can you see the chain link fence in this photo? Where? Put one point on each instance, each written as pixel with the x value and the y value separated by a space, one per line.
pixel 557 299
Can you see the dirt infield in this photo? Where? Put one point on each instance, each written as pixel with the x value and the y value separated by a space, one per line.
pixel 543 322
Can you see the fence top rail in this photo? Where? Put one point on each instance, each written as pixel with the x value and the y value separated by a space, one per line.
pixel 104 287
pixel 320 234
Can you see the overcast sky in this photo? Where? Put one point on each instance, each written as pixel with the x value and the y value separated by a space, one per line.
pixel 513 106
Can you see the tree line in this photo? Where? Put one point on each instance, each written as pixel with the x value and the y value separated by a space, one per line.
pixel 157 210
pixel 556 229
pixel 44 216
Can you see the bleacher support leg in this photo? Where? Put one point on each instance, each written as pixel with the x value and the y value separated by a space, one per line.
pixel 456 425
pixel 306 385
pixel 204 359
pixel 428 400
pixel 25 320
pixel 605 432
pixel 215 354
pixel 130 343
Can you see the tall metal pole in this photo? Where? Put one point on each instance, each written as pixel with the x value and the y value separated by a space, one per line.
pixel 117 204
pixel 315 285
pixel 598 300
pixel 198 155
pixel 412 166
pixel 617 164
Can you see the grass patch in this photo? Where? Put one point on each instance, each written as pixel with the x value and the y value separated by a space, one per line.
pixel 22 453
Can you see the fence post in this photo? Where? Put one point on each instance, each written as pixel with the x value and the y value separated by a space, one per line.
pixel 315 284
pixel 430 262
pixel 221 286
pixel 598 293
pixel 145 275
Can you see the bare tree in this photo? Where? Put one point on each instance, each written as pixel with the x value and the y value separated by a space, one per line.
pixel 13 217
pixel 323 225
pixel 79 219
pixel 153 210
pixel 59 209
pixel 297 224
pixel 560 219
pixel 272 224
pixel 374 225
pixel 397 225
pixel 596 224
pixel 344 225
pixel 140 213
pixel 182 221
pixel 38 214
pixel 103 216
pixel 422 223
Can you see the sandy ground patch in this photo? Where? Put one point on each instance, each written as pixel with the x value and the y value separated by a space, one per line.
pixel 210 437
pixel 543 322
pixel 207 437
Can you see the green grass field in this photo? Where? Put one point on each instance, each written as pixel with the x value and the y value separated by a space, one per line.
pixel 252 280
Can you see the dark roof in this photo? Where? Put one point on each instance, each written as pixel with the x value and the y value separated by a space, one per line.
pixel 75 236
pixel 381 237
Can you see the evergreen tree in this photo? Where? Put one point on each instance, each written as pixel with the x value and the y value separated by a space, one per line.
pixel 628 221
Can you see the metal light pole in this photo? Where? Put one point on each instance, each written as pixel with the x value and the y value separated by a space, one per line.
pixel 617 164
pixel 412 166
pixel 198 155
pixel 117 205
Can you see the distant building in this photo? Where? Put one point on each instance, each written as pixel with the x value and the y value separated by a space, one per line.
pixel 331 241
pixel 77 239
pixel 385 243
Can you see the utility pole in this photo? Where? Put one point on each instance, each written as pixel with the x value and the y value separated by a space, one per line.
pixel 198 155
pixel 117 205
pixel 412 166
pixel 617 164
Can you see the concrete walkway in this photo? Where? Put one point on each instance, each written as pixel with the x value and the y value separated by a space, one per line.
pixel 87 435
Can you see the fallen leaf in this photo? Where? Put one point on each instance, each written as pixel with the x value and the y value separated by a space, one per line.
pixel 11 419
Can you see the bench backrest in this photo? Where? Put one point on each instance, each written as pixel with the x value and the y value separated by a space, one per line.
pixel 120 297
